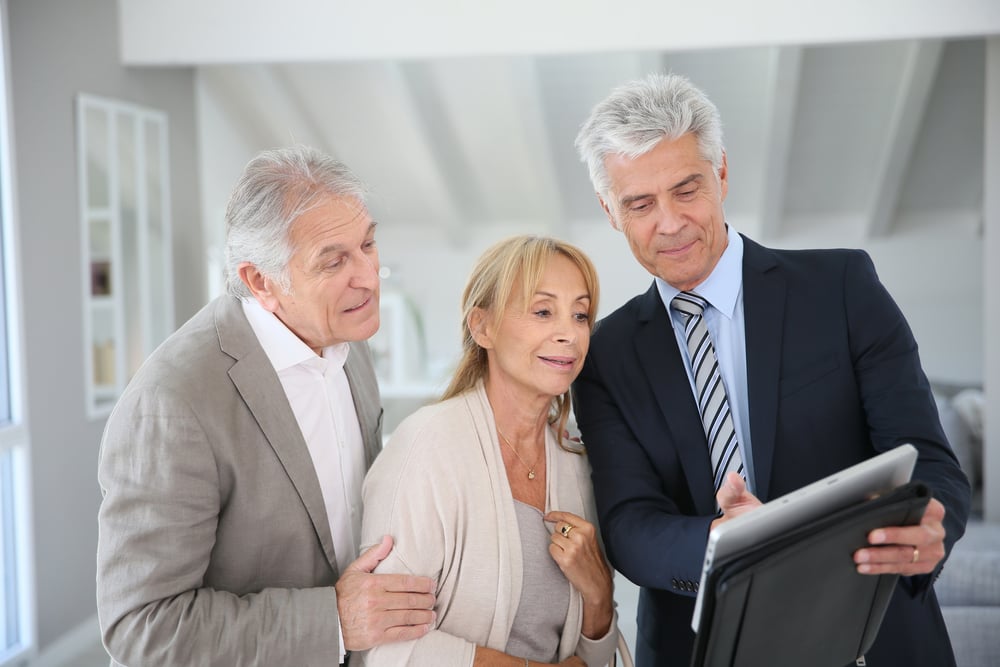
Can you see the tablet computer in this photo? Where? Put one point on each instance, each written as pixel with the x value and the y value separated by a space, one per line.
pixel 859 482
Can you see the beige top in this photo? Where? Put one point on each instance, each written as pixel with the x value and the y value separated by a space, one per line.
pixel 440 489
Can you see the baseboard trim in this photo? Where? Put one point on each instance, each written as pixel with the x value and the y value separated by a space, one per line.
pixel 64 651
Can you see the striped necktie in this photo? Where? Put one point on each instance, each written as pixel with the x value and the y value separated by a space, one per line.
pixel 713 405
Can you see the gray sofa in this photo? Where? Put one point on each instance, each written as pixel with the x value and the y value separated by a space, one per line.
pixel 969 592
pixel 969 585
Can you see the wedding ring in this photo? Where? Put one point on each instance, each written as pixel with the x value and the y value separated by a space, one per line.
pixel 916 555
pixel 566 527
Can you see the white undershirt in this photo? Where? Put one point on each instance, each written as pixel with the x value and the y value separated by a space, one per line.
pixel 320 397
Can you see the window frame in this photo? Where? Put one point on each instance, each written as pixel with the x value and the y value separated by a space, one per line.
pixel 16 544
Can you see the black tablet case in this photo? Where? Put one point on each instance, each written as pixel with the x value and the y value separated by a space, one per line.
pixel 798 599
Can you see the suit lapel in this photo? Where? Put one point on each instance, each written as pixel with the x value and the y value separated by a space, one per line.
pixel 764 291
pixel 661 362
pixel 258 384
pixel 367 403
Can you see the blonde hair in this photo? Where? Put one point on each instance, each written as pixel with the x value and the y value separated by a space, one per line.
pixel 491 289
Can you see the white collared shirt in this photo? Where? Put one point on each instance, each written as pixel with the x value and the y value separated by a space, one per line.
pixel 723 289
pixel 320 397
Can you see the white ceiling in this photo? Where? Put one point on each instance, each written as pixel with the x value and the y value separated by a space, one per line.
pixel 877 136
pixel 864 117
pixel 184 32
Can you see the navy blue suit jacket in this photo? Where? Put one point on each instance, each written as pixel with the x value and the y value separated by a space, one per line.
pixel 833 378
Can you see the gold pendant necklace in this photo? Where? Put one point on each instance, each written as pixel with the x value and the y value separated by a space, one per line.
pixel 531 468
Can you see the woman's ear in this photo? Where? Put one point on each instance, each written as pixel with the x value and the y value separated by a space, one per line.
pixel 478 322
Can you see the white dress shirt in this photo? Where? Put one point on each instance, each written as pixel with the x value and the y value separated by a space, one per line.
pixel 723 289
pixel 320 397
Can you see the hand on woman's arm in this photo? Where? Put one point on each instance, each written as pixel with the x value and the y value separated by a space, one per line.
pixel 575 550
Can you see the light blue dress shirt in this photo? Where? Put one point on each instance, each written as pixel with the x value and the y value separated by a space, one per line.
pixel 723 289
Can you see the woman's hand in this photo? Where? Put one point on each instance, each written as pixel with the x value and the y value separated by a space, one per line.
pixel 575 550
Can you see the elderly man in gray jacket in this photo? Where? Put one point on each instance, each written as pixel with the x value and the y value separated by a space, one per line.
pixel 232 465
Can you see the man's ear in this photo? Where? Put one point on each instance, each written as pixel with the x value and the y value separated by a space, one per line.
pixel 261 287
pixel 723 177
pixel 479 321
pixel 607 211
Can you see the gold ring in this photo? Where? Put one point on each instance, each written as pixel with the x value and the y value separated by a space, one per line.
pixel 916 555
pixel 566 528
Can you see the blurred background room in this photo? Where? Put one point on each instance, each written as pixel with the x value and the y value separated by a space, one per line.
pixel 125 124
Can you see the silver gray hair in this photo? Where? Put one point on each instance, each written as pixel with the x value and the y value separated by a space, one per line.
pixel 638 115
pixel 277 186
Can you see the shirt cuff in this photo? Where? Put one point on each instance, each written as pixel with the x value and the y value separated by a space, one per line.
pixel 340 640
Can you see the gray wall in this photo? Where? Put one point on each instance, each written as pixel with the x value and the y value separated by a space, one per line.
pixel 59 49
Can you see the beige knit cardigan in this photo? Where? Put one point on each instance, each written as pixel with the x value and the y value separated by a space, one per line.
pixel 440 490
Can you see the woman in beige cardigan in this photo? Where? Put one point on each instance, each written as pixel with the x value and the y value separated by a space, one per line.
pixel 482 494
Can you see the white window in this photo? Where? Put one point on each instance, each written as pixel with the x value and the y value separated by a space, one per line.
pixel 125 217
pixel 16 617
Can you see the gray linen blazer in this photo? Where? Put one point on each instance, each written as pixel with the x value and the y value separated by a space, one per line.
pixel 214 546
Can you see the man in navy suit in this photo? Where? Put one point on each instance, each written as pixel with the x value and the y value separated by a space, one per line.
pixel 819 367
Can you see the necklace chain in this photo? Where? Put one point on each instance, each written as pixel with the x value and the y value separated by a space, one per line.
pixel 531 468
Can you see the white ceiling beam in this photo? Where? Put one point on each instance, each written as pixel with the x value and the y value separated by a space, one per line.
pixel 434 181
pixel 188 32
pixel 568 88
pixel 456 169
pixel 226 89
pixel 372 123
pixel 537 134
pixel 301 106
pixel 915 84
pixel 267 93
pixel 782 92
pixel 491 110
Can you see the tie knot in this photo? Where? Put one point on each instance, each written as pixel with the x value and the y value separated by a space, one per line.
pixel 688 303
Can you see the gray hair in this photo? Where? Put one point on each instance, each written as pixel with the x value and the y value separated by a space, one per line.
pixel 638 115
pixel 277 186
